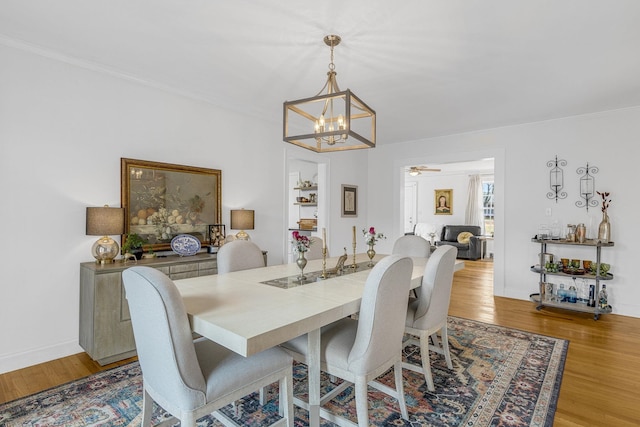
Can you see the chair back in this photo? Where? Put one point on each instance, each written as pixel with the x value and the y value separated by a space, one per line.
pixel 315 249
pixel 167 356
pixel 239 255
pixel 414 246
pixel 382 314
pixel 435 292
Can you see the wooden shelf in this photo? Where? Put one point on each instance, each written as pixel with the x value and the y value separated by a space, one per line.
pixel 306 203
pixel 313 187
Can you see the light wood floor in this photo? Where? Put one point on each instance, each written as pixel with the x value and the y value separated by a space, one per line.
pixel 601 382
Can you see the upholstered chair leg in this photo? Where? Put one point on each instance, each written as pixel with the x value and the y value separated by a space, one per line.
pixel 397 372
pixel 426 360
pixel 362 402
pixel 445 347
pixel 147 409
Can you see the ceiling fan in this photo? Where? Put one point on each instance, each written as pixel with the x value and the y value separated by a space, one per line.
pixel 417 170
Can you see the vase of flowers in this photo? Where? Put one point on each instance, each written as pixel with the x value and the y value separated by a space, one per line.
pixel 370 238
pixel 604 229
pixel 301 245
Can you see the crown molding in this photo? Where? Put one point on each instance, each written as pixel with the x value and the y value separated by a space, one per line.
pixel 96 67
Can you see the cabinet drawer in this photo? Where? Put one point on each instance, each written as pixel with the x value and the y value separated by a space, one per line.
pixel 208 265
pixel 183 275
pixel 182 268
pixel 165 270
pixel 208 272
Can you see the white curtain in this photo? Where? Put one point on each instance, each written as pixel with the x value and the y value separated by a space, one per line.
pixel 474 214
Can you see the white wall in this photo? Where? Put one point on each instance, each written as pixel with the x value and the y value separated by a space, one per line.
pixel 63 130
pixel 607 140
pixel 427 184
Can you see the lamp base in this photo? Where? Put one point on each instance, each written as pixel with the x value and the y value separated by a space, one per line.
pixel 242 235
pixel 105 249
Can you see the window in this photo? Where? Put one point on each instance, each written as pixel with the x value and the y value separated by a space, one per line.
pixel 487 202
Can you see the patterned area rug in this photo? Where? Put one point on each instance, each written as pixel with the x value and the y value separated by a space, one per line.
pixel 500 377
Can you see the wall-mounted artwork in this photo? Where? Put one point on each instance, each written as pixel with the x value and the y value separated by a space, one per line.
pixel 162 200
pixel 443 202
pixel 349 200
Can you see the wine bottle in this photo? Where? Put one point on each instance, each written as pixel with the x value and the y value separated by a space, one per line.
pixel 603 297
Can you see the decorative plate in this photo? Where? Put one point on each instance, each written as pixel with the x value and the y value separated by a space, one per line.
pixel 185 244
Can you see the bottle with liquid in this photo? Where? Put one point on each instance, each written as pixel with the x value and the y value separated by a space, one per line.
pixel 603 297
pixel 572 294
pixel 562 293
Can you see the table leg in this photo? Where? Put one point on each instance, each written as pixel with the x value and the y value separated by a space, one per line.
pixel 313 374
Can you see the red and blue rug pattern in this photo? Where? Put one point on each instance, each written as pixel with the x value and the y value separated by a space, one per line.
pixel 500 377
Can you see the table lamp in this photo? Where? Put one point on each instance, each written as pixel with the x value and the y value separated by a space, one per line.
pixel 103 222
pixel 242 219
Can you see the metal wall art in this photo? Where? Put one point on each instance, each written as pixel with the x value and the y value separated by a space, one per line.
pixel 556 179
pixel 587 186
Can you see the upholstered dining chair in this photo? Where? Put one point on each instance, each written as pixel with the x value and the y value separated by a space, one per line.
pixel 358 351
pixel 427 314
pixel 413 246
pixel 239 255
pixel 315 249
pixel 193 379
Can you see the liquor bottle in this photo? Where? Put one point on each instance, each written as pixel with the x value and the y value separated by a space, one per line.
pixel 592 296
pixel 562 293
pixel 603 297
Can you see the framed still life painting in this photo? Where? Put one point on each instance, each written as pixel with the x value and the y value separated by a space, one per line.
pixel 163 200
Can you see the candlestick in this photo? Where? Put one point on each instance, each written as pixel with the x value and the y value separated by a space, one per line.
pixel 354 235
pixel 324 274
pixel 354 265
pixel 324 239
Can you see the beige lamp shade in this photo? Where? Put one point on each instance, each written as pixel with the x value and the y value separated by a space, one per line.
pixel 242 219
pixel 105 221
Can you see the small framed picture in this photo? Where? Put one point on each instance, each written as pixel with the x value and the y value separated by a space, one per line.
pixel 443 202
pixel 349 200
pixel 216 234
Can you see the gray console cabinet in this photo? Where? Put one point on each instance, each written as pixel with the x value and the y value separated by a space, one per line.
pixel 105 325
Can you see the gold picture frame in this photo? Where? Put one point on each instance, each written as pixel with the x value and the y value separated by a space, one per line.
pixel 349 201
pixel 443 202
pixel 162 200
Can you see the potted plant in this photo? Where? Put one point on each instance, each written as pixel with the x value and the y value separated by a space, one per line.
pixel 148 252
pixel 133 245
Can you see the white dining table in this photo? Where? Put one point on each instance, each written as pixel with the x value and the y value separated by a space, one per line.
pixel 239 312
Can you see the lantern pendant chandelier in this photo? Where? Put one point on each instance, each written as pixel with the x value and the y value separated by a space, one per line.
pixel 332 120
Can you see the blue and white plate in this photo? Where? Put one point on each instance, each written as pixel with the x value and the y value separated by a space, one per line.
pixel 185 244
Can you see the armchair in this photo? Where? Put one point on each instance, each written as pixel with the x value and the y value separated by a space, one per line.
pixel 470 249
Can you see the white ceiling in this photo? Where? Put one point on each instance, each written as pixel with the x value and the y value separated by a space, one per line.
pixel 427 67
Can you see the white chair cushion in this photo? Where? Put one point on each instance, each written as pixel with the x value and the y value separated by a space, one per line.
pixel 225 370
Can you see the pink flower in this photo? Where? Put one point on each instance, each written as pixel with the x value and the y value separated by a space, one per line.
pixel 372 230
pixel 301 242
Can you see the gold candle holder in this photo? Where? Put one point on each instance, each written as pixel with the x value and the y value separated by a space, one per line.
pixel 324 274
pixel 354 265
